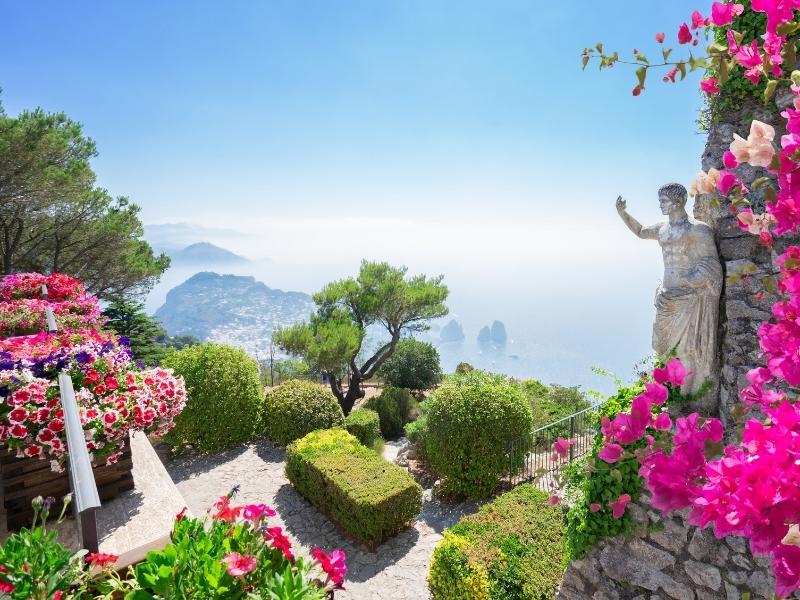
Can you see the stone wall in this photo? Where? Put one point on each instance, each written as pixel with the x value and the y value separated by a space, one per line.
pixel 667 559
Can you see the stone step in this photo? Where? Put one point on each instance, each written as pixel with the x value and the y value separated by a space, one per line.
pixel 136 521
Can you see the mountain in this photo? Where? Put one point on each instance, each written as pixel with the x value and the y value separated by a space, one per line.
pixel 231 309
pixel 452 332
pixel 205 252
pixel 485 335
pixel 499 333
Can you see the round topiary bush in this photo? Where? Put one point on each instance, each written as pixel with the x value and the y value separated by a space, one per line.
pixel 471 418
pixel 365 424
pixel 225 400
pixel 413 365
pixel 394 407
pixel 296 408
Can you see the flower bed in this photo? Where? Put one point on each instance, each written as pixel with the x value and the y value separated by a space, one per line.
pixel 114 398
pixel 237 554
pixel 512 548
pixel 369 497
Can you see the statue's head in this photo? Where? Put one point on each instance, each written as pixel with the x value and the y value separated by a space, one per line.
pixel 672 197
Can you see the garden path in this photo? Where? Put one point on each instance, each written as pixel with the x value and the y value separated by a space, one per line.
pixel 398 569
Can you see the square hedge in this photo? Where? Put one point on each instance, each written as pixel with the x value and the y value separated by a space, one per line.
pixel 366 495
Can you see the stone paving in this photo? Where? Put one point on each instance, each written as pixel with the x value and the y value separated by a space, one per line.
pixel 396 571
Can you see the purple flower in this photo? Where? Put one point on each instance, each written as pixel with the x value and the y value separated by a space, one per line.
pixel 83 357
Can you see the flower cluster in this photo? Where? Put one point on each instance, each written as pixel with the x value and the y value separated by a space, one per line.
pixel 114 398
pixel 60 287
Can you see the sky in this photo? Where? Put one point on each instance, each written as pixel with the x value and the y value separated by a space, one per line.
pixel 455 137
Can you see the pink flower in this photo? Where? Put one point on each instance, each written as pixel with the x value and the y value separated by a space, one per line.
pixel 594 507
pixel 663 422
pixel 729 160
pixel 660 37
pixel 673 373
pixel 710 86
pixel 610 453
pixel 553 500
pixel 727 182
pixel 619 505
pixel 749 57
pixel 753 223
pixel 279 541
pixel 561 447
pixel 637 90
pixel 333 565
pixel 698 20
pixel 656 393
pixel 239 564
pixel 684 35
pixel 723 13
pixel 18 415
pixel 255 512
pixel 757 149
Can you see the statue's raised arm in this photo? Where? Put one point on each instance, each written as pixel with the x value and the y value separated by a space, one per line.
pixel 646 233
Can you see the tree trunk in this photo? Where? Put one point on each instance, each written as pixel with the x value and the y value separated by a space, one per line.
pixel 354 392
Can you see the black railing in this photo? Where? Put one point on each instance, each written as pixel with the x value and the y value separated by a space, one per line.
pixel 85 498
pixel 530 456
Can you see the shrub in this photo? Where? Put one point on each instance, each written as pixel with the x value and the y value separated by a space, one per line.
pixel 549 403
pixel 297 407
pixel 417 434
pixel 512 548
pixel 464 367
pixel 365 425
pixel 414 365
pixel 601 484
pixel 394 407
pixel 471 419
pixel 225 402
pixel 369 497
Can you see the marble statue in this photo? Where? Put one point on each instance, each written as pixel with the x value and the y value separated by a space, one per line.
pixel 687 301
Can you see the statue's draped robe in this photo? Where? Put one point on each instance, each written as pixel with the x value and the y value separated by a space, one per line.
pixel 686 321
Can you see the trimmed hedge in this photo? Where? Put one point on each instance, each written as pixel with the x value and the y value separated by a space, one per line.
pixel 511 549
pixel 296 408
pixel 366 495
pixel 365 425
pixel 225 401
pixel 470 420
pixel 394 406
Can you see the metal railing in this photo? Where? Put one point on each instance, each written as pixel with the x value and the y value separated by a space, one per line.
pixel 530 456
pixel 85 498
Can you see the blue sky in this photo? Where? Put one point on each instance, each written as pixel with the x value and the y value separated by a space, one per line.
pixel 459 137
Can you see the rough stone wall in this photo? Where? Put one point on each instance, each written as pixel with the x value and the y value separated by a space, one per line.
pixel 741 311
pixel 667 559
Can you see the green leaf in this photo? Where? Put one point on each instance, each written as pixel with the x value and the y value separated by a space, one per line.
pixel 599 47
pixel 761 182
pixel 641 75
pixel 796 77
pixel 769 90
pixel 665 53
pixel 585 60
pixel 681 66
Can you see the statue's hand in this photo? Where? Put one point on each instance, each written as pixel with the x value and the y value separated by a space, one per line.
pixel 621 205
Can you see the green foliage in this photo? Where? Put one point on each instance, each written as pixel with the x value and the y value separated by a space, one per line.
pixel 35 563
pixel 549 403
pixel 471 419
pixel 364 424
pixel 414 365
pixel 53 218
pixel 128 318
pixel 381 295
pixel 464 367
pixel 601 483
pixel 510 550
pixel 395 406
pixel 191 567
pixel 225 401
pixel 417 433
pixel 369 497
pixel 296 408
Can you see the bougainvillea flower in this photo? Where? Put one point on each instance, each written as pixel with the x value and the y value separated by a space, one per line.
pixel 660 37
pixel 656 393
pixel 663 422
pixel 754 223
pixel 610 453
pixel 704 183
pixel 757 149
pixel 561 447
pixel 723 13
pixel 239 564
pixel 684 35
pixel 728 181
pixel 618 506
pixel 673 373
pixel 729 160
pixel 710 86
pixel 698 20
pixel 553 500
pixel 594 507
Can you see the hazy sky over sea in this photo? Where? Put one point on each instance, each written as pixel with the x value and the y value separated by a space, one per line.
pixel 454 137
